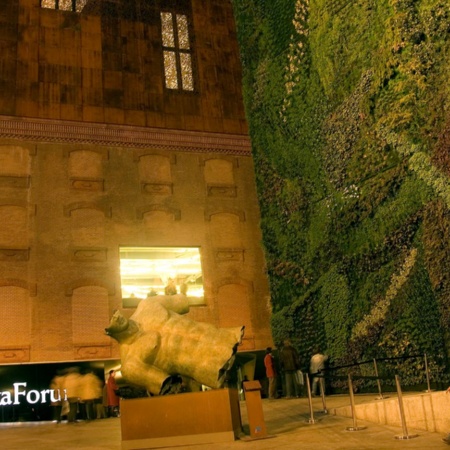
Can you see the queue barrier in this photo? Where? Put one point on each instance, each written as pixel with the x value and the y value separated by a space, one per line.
pixel 355 427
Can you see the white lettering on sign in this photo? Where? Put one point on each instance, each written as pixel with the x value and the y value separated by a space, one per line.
pixel 33 396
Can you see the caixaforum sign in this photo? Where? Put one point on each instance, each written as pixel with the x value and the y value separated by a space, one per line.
pixel 19 391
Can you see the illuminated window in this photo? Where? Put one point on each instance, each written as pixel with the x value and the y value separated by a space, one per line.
pixel 177 51
pixel 149 271
pixel 65 5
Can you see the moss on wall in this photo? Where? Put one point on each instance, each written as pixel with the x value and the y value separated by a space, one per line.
pixel 348 105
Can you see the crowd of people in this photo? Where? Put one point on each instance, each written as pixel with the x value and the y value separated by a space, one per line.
pixel 83 396
pixel 293 371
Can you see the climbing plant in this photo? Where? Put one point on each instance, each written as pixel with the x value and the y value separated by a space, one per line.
pixel 347 105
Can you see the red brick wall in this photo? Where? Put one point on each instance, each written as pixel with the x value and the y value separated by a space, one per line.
pixel 94 68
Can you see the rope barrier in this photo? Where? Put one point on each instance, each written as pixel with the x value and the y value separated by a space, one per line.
pixel 371 361
pixel 327 374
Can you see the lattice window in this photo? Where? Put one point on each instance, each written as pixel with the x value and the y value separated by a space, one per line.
pixel 177 51
pixel 15 310
pixel 64 5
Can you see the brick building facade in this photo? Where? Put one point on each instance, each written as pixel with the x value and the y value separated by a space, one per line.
pixel 121 125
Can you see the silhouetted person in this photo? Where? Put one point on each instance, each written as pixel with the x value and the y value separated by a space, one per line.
pixel 113 398
pixel 57 385
pixel 91 389
pixel 271 373
pixel 72 385
pixel 316 366
pixel 171 288
pixel 290 363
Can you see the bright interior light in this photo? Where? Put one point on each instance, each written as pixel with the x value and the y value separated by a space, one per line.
pixel 147 271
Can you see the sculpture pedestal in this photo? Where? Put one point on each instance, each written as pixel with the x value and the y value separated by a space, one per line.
pixel 182 419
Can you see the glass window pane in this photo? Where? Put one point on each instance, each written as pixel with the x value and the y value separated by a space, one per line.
pixel 183 32
pixel 80 5
pixel 48 4
pixel 178 58
pixel 149 271
pixel 65 5
pixel 170 70
pixel 168 39
pixel 187 79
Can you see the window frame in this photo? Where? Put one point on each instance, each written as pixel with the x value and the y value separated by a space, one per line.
pixel 56 7
pixel 180 277
pixel 177 50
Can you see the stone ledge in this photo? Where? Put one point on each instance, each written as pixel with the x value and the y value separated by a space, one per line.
pixel 43 130
pixel 424 411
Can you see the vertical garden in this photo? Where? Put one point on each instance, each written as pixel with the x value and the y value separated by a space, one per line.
pixel 348 104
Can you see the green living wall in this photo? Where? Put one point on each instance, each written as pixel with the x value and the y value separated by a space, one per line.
pixel 348 104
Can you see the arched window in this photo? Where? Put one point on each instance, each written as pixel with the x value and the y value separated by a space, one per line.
pixel 13 226
pixel 155 169
pixel 90 315
pixel 233 307
pixel 219 171
pixel 14 160
pixel 15 310
pixel 87 227
pixel 226 230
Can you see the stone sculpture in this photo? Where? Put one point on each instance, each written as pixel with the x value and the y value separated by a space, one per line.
pixel 158 345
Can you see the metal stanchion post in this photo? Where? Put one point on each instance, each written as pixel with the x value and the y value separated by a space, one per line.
pixel 378 381
pixel 427 373
pixel 311 413
pixel 352 405
pixel 402 412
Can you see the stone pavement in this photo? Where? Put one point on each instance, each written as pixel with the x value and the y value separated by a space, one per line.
pixel 287 423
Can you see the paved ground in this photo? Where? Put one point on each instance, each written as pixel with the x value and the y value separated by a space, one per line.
pixel 287 421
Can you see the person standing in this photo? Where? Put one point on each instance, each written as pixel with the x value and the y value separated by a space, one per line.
pixel 271 373
pixel 171 288
pixel 290 363
pixel 316 366
pixel 72 386
pixel 102 405
pixel 57 386
pixel 113 398
pixel 91 389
